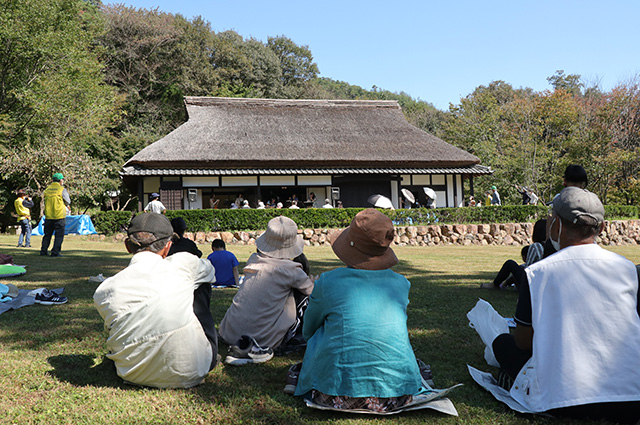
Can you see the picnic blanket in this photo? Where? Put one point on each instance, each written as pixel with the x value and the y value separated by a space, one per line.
pixel 74 224
pixel 25 297
pixel 489 383
pixel 428 398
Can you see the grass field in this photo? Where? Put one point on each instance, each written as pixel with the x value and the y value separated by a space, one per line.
pixel 53 369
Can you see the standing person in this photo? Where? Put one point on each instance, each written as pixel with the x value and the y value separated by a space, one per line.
pixel 358 352
pixel 155 205
pixel 524 193
pixel 575 349
pixel 225 264
pixel 495 196
pixel 23 204
pixel 56 201
pixel 157 311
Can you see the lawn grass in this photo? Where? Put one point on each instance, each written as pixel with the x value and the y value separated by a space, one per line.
pixel 53 368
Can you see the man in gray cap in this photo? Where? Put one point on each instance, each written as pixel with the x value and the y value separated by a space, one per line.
pixel 161 332
pixel 575 348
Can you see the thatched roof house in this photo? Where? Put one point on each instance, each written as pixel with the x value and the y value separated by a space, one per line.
pixel 268 148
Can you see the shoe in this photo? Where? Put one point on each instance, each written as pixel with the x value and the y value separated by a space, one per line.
pixel 56 255
pixel 47 297
pixel 291 381
pixel 504 380
pixel 19 246
pixel 44 254
pixel 27 246
pixel 247 351
pixel 425 372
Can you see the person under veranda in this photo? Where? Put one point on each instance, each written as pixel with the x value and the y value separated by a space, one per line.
pixel 575 348
pixel 157 312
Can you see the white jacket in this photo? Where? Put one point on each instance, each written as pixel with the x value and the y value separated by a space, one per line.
pixel 155 338
pixel 586 331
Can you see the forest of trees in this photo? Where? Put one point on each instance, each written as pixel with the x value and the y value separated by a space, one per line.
pixel 85 85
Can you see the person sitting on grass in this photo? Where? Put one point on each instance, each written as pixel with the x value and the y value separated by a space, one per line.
pixel 264 308
pixel 358 351
pixel 512 272
pixel 575 349
pixel 161 332
pixel 225 264
pixel 182 244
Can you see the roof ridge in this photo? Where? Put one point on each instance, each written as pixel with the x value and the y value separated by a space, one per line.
pixel 217 101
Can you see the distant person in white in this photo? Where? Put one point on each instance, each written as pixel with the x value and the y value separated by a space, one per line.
pixel 327 204
pixel 155 205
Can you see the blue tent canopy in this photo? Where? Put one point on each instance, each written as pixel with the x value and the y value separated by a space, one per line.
pixel 75 224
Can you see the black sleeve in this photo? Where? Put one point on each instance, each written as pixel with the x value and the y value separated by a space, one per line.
pixel 523 309
pixel 27 203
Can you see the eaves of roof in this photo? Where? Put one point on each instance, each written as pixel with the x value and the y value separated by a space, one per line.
pixel 140 171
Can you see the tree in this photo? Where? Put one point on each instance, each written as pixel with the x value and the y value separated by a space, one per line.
pixel 570 83
pixel 52 95
pixel 296 63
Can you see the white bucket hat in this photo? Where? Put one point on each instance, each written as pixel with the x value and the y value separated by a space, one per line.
pixel 281 239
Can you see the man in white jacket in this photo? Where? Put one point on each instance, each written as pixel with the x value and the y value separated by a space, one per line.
pixel 575 349
pixel 161 332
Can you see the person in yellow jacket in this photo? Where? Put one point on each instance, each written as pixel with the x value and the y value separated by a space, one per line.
pixel 22 204
pixel 56 200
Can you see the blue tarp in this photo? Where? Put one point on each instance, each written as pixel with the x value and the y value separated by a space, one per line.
pixel 76 224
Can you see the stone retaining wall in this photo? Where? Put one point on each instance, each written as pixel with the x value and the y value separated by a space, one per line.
pixel 615 233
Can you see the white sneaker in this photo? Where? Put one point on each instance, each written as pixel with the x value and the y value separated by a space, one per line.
pixel 246 351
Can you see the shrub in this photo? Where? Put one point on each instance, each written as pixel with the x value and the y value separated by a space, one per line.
pixel 110 222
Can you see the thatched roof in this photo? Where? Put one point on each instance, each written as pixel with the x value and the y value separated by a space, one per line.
pixel 232 132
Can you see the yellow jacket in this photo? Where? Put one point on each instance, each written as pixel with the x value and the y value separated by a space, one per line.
pixel 54 207
pixel 22 211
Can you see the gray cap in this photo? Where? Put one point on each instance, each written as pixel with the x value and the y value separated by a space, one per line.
pixel 156 224
pixel 574 202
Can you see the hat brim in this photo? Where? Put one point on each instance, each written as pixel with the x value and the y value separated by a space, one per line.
pixel 352 257
pixel 288 252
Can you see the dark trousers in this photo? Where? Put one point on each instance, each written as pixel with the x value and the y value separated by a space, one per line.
pixel 509 268
pixel 202 310
pixel 50 227
pixel 512 358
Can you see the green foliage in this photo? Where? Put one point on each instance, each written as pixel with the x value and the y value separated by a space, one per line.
pixel 110 222
pixel 620 212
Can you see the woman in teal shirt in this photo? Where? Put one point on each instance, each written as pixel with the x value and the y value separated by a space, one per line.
pixel 358 351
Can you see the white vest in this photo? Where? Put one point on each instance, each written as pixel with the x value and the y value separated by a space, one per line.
pixel 586 339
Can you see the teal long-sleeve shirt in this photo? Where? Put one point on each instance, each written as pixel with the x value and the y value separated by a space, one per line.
pixel 357 338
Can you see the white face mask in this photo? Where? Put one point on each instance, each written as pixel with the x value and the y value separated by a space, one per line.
pixel 556 244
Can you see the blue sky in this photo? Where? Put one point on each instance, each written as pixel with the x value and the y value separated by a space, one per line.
pixel 440 51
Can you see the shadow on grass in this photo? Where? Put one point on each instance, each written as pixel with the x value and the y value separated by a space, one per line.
pixel 81 370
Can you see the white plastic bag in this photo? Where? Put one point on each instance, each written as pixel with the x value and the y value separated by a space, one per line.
pixel 489 324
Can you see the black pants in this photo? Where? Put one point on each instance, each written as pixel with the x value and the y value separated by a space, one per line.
pixel 202 310
pixel 52 226
pixel 509 268
pixel 512 358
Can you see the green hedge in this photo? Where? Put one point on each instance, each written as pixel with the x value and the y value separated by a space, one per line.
pixel 110 222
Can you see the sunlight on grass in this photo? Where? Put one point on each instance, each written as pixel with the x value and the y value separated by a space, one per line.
pixel 54 369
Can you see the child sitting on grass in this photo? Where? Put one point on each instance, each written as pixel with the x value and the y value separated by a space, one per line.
pixel 225 263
